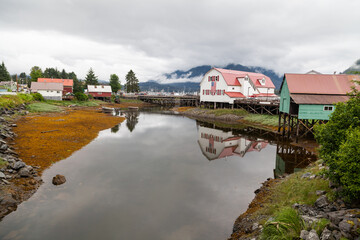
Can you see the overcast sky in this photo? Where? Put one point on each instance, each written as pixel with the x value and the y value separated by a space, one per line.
pixel 155 37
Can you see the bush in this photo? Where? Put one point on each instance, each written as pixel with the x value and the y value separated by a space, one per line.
pixel 90 97
pixel 339 139
pixel 37 97
pixel 81 96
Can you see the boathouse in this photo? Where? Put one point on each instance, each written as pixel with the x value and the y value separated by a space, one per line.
pixel 222 86
pixel 100 91
pixel 68 83
pixel 49 90
pixel 307 99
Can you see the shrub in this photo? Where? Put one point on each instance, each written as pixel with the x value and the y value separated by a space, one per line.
pixel 287 224
pixel 338 140
pixel 37 97
pixel 90 97
pixel 81 96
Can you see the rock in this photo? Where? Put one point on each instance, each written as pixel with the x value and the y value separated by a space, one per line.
pixel 257 191
pixel 326 234
pixel 304 234
pixel 18 165
pixel 255 226
pixel 32 182
pixel 8 201
pixel 13 125
pixel 2 175
pixel 336 235
pixel 309 220
pixel 306 175
pixel 58 179
pixel 332 184
pixel 336 217
pixel 5 181
pixel 320 192
pixel 322 202
pixel 345 226
pixel 312 235
pixel 24 172
pixel 312 176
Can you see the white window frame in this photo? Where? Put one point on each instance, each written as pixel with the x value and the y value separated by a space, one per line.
pixel 328 108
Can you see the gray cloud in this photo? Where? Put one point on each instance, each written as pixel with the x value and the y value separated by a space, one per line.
pixel 153 37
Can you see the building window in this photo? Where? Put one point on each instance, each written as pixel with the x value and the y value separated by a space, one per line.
pixel 58 91
pixel 233 88
pixel 203 92
pixel 328 108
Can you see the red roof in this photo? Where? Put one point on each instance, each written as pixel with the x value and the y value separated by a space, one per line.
pixel 235 94
pixel 65 82
pixel 231 76
pixel 320 83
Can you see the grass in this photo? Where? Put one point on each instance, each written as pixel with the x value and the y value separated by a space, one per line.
pixel 91 103
pixel 11 101
pixel 287 224
pixel 270 120
pixel 42 107
pixel 220 112
pixel 3 163
pixel 295 189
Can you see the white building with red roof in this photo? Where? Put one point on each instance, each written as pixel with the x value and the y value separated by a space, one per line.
pixel 224 86
pixel 67 83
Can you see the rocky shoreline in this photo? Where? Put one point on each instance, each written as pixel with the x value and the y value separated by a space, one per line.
pixel 343 219
pixel 18 181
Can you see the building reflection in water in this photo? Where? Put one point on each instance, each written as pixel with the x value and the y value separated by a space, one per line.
pixel 216 143
pixel 290 159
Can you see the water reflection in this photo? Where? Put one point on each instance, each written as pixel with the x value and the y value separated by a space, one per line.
pixel 216 143
pixel 290 159
pixel 116 128
pixel 132 118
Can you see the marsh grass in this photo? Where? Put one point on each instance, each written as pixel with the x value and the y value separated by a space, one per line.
pixel 11 101
pixel 42 107
pixel 270 120
pixel 287 224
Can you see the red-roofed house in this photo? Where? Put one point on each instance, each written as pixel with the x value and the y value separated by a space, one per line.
pixel 67 83
pixel 224 86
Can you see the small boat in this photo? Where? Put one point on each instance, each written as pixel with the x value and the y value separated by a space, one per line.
pixel 133 108
pixel 107 109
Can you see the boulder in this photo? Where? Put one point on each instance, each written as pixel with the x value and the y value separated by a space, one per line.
pixel 24 172
pixel 18 165
pixel 326 234
pixel 58 179
pixel 313 235
pixel 304 234
pixel 2 175
pixel 322 202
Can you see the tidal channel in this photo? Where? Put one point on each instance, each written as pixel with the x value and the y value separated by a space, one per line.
pixel 154 176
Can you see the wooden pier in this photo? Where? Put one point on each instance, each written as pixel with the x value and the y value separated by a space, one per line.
pixel 171 101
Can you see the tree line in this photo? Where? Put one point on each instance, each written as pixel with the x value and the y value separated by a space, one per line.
pixel 131 81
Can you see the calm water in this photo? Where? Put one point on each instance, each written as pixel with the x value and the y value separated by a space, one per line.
pixel 152 177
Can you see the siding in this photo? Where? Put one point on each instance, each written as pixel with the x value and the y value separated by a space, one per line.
pixel 285 98
pixel 317 112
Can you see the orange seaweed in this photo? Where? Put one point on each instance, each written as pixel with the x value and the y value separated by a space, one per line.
pixel 45 139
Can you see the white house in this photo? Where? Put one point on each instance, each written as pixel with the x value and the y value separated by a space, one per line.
pixel 49 90
pixel 224 86
pixel 216 144
pixel 99 91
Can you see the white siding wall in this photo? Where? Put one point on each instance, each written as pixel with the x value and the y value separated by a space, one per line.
pixel 50 94
pixel 220 85
pixel 266 90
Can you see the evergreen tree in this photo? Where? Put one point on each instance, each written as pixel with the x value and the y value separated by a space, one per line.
pixel 64 75
pixel 51 73
pixel 4 74
pixel 23 78
pixel 132 83
pixel 35 73
pixel 91 79
pixel 77 84
pixel 115 83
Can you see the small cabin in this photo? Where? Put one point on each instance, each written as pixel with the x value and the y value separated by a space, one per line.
pixel 49 90
pixel 306 99
pixel 67 83
pixel 100 91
